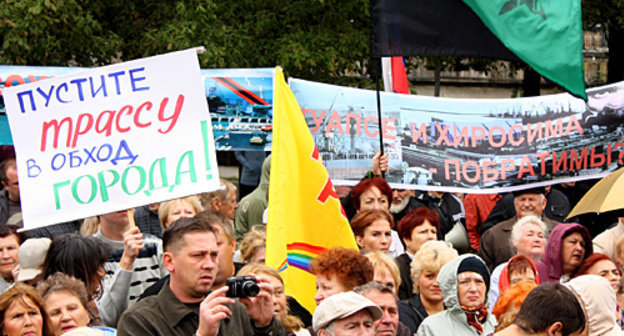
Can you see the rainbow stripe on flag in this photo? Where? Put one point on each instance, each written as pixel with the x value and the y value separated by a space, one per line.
pixel 305 217
pixel 299 256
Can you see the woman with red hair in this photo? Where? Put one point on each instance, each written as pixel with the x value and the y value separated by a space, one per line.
pixel 375 194
pixel 371 193
pixel 510 301
pixel 416 228
pixel 373 230
pixel 602 265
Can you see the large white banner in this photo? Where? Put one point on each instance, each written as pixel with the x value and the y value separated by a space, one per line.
pixel 466 145
pixel 111 138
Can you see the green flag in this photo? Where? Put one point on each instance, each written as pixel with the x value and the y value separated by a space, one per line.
pixel 546 34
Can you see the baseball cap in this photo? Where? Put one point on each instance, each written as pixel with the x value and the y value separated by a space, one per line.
pixel 343 305
pixel 31 255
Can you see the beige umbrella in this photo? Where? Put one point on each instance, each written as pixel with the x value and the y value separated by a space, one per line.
pixel 606 195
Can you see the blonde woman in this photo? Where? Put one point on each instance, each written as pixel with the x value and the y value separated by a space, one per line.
pixel 184 207
pixel 386 270
pixel 425 267
pixel 252 247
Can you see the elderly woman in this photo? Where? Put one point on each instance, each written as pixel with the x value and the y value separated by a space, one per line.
pixel 464 282
pixel 372 230
pixel 416 228
pixel 21 313
pixel 340 270
pixel 528 239
pixel 292 324
pixel 185 207
pixel 386 270
pixel 375 194
pixel 428 299
pixel 65 300
pixel 569 244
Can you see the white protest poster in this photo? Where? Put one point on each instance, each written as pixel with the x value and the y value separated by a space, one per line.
pixel 112 138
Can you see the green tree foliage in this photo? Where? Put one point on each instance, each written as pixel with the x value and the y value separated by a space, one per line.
pixel 321 40
pixel 37 32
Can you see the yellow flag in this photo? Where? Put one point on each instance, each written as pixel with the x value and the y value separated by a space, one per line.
pixel 305 215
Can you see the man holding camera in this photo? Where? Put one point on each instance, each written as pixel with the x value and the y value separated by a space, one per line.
pixel 186 305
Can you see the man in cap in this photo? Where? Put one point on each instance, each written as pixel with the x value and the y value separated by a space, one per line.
pixel 346 314
pixel 495 247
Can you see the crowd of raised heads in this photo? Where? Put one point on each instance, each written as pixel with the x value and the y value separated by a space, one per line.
pixel 427 263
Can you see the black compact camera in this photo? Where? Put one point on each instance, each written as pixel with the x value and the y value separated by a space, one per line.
pixel 241 287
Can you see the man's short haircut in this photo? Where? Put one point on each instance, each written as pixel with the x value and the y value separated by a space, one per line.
pixel 217 218
pixel 8 229
pixel 373 286
pixel 173 236
pixel 4 167
pixel 549 303
pixel 226 188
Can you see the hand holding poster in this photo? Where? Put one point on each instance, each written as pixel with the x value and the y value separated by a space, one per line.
pixel 111 138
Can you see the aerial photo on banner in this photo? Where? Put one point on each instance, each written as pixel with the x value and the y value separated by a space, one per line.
pixel 466 145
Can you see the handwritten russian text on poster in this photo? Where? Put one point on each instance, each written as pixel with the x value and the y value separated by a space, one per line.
pixel 469 145
pixel 111 138
pixel 240 102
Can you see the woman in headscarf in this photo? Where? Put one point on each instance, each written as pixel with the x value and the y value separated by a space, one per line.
pixel 464 282
pixel 568 246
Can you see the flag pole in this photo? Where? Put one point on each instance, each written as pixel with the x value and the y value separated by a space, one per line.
pixel 377 75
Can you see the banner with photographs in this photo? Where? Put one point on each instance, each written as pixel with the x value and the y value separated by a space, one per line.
pixel 240 102
pixel 466 145
pixel 111 138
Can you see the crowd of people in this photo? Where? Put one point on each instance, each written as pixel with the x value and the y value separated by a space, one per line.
pixel 518 267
